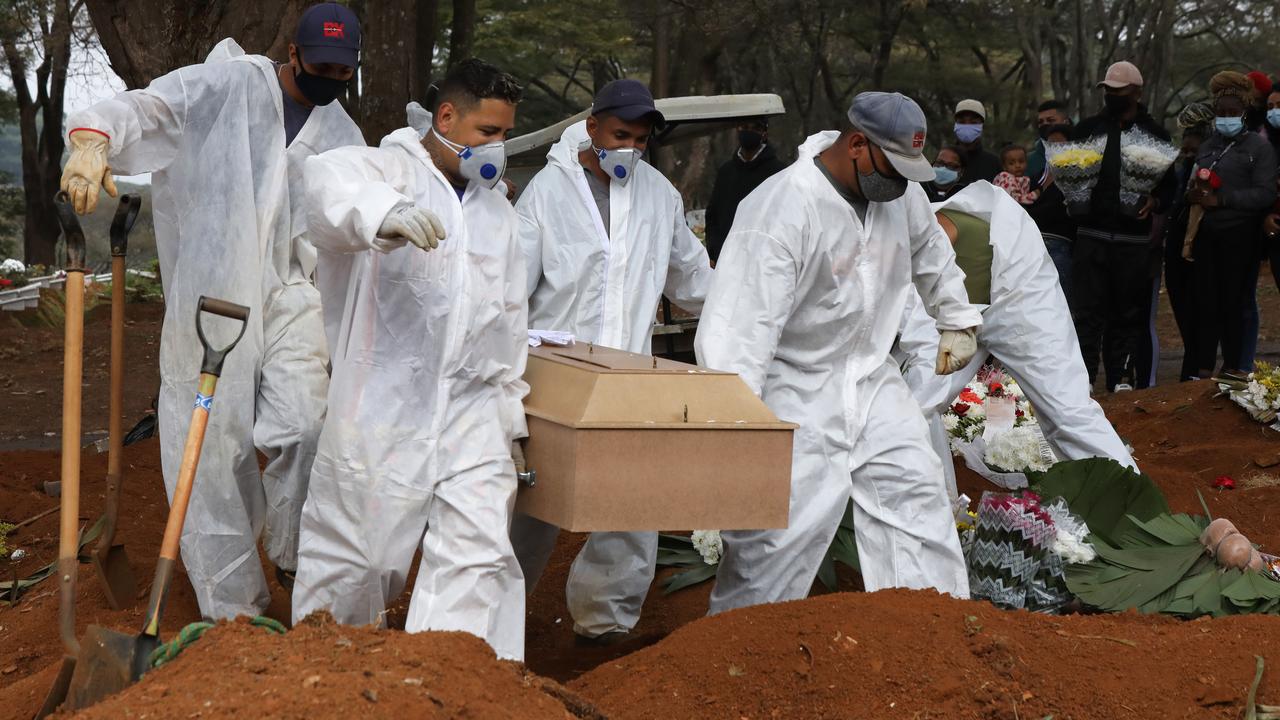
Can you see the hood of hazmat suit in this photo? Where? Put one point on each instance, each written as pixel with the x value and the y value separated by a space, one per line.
pixel 603 285
pixel 1027 327
pixel 425 400
pixel 229 223
pixel 805 306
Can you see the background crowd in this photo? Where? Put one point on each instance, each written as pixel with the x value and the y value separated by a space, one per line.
pixel 1204 229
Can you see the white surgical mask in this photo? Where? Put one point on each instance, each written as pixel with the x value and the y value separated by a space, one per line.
pixel 618 164
pixel 482 165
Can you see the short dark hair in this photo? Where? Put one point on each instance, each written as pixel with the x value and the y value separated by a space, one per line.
pixel 1052 104
pixel 473 80
pixel 954 149
pixel 1011 147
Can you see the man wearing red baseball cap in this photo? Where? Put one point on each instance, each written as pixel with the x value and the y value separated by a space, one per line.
pixel 225 141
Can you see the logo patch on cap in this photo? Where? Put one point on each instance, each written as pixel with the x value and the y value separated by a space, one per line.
pixel 917 140
pixel 334 30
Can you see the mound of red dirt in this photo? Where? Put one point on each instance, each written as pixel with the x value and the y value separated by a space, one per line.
pixel 320 669
pixel 915 654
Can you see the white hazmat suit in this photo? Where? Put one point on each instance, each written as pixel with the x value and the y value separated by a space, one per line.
pixel 805 306
pixel 604 287
pixel 425 400
pixel 230 223
pixel 1027 327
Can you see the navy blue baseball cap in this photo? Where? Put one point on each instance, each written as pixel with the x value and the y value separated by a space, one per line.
pixel 329 33
pixel 628 99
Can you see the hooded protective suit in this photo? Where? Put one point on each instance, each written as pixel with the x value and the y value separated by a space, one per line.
pixel 230 223
pixel 604 287
pixel 1027 327
pixel 425 400
pixel 805 306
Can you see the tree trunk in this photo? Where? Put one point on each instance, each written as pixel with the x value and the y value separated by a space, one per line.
pixel 145 39
pixel 42 142
pixel 389 64
pixel 425 46
pixel 462 34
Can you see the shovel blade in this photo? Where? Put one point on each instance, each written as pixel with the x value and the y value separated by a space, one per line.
pixel 116 576
pixel 105 666
pixel 58 693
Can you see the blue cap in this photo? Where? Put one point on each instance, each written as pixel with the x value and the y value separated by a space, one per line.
pixel 628 99
pixel 895 123
pixel 329 33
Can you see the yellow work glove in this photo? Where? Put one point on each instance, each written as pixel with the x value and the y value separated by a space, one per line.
pixel 955 349
pixel 87 170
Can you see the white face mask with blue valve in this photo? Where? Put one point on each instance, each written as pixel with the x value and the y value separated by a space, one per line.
pixel 483 164
pixel 618 164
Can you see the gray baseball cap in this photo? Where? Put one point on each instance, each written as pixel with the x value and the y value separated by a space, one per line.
pixel 895 123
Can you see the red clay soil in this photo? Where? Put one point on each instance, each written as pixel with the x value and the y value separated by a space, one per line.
pixel 1183 439
pixel 916 654
pixel 31 375
pixel 321 669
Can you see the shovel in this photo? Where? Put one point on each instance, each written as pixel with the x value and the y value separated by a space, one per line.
pixel 109 557
pixel 110 660
pixel 72 376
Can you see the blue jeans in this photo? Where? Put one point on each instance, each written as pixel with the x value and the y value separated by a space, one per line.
pixel 1060 252
pixel 1252 320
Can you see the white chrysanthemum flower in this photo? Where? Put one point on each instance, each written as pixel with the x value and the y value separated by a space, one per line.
pixel 12 265
pixel 977 412
pixel 1016 450
pixel 1071 549
pixel 950 422
pixel 709 545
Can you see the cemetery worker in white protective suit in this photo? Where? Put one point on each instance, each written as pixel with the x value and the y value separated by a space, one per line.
pixel 225 141
pixel 1026 325
pixel 604 237
pixel 426 399
pixel 805 306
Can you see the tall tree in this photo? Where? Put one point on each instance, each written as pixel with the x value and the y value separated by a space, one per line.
pixel 37 36
pixel 462 31
pixel 145 39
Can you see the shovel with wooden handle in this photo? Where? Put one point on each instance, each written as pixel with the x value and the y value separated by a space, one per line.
pixel 111 660
pixel 72 377
pixel 109 557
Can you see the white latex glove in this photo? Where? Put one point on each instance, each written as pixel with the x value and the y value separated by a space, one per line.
pixel 87 170
pixel 409 223
pixel 517 456
pixel 955 349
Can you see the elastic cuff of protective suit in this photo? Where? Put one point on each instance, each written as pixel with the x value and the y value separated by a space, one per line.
pixel 92 130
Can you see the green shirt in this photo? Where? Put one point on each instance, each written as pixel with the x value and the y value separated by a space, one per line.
pixel 973 254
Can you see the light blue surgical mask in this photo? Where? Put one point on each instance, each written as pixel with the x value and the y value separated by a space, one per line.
pixel 944 176
pixel 1228 126
pixel 1273 117
pixel 968 132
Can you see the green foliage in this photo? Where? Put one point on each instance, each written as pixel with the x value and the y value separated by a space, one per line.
pixel 678 551
pixel 1159 566
pixel 5 529
pixel 12 212
pixel 844 549
pixel 1104 493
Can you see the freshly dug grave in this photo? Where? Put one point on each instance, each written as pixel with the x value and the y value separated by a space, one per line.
pixel 320 669
pixel 916 654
